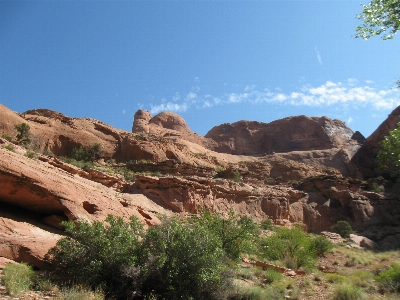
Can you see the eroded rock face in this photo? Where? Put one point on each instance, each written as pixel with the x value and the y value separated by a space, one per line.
pixel 290 134
pixel 365 158
pixel 53 194
pixel 141 122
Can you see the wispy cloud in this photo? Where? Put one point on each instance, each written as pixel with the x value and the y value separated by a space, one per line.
pixel 318 56
pixel 328 94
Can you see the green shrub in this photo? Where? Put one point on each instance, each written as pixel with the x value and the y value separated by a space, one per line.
pixel 272 275
pixel 176 260
pixel 86 154
pixel 335 278
pixel 18 278
pixel 234 231
pixel 389 280
pixel 256 293
pixel 9 147
pixel 346 291
pixel 31 154
pixel 94 253
pixel 7 137
pixel 81 293
pixel 183 261
pixel 320 245
pixel 293 247
pixel 23 133
pixel 236 176
pixel 267 224
pixel 78 163
pixel 343 228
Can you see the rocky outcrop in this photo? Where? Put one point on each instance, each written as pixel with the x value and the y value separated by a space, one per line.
pixel 318 202
pixel 56 134
pixel 290 134
pixel 365 158
pixel 50 194
pixel 168 125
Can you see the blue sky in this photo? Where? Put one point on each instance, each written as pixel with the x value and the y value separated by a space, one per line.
pixel 212 62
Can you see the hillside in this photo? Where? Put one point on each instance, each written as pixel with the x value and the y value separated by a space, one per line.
pixel 295 170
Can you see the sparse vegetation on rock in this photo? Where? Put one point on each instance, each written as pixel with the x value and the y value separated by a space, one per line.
pixel 23 133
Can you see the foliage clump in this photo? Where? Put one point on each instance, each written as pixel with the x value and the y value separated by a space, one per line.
pixel 18 278
pixel 23 133
pixel 347 291
pixel 389 279
pixel 86 154
pixel 389 155
pixel 179 259
pixel 94 253
pixel 343 228
pixel 379 17
pixel 294 247
pixel 234 232
pixel 7 137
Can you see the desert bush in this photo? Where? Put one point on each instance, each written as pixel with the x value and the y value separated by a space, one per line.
pixel 335 278
pixel 236 176
pixel 31 154
pixel 320 245
pixel 18 278
pixel 235 232
pixel 346 291
pixel 81 293
pixel 184 261
pixel 78 163
pixel 364 279
pixel 256 293
pixel 86 154
pixel 343 228
pixel 9 147
pixel 176 260
pixel 23 133
pixel 272 275
pixel 291 246
pixel 7 137
pixel 267 224
pixel 389 280
pixel 94 253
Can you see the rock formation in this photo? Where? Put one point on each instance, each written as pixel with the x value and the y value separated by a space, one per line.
pixel 290 134
pixel 365 158
pixel 295 170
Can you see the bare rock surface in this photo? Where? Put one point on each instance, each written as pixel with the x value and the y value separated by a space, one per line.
pixel 299 133
pixel 365 158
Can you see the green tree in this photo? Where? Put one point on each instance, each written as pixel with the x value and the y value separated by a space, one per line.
pixel 343 228
pixel 379 17
pixel 23 133
pixel 389 154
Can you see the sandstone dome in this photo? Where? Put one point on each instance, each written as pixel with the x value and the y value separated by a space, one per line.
pixel 170 120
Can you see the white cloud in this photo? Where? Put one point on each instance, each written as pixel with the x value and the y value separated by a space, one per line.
pixel 318 56
pixel 330 93
pixel 155 109
pixel 349 120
